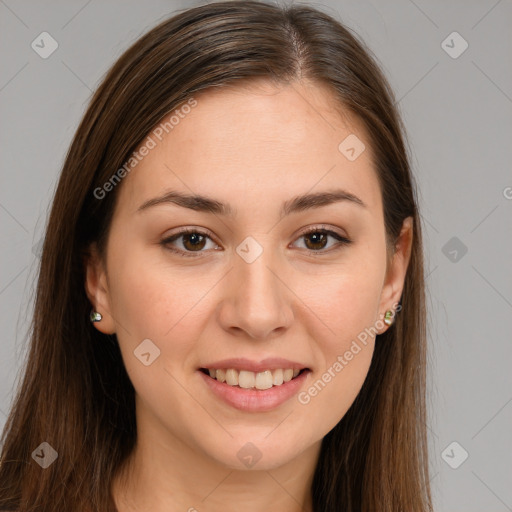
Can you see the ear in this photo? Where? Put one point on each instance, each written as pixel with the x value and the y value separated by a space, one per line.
pixel 395 275
pixel 96 287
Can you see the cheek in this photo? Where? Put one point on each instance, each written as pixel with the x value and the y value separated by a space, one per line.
pixel 167 306
pixel 345 350
pixel 331 393
pixel 344 301
pixel 151 302
pixel 150 298
pixel 346 304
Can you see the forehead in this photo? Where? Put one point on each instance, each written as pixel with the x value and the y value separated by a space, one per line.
pixel 254 141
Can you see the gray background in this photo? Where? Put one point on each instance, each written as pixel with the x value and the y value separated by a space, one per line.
pixel 458 115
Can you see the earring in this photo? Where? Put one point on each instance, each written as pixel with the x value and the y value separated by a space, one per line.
pixel 389 317
pixel 95 316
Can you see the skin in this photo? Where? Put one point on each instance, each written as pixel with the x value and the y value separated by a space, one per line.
pixel 252 147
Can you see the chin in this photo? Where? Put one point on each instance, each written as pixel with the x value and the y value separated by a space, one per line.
pixel 257 455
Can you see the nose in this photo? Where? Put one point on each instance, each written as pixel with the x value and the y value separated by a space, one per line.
pixel 256 302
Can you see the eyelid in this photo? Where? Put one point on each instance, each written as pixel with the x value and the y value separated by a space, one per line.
pixel 321 227
pixel 183 231
pixel 330 231
pixel 342 240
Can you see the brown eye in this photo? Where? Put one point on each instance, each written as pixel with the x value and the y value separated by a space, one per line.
pixel 317 239
pixel 192 241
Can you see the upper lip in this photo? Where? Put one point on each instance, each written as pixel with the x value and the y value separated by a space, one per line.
pixel 241 363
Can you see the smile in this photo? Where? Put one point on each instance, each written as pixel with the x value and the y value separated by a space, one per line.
pixel 253 380
pixel 254 391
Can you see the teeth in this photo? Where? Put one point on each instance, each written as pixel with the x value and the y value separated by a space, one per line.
pixel 277 377
pixel 246 379
pixel 264 380
pixel 232 377
pixel 250 380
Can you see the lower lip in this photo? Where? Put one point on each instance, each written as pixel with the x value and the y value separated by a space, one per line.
pixel 254 400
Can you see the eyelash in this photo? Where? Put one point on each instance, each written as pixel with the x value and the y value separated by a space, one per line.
pixel 342 241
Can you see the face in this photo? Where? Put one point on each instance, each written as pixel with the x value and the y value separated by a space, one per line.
pixel 267 281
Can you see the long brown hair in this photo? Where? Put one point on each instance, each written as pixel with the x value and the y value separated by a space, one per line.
pixel 75 393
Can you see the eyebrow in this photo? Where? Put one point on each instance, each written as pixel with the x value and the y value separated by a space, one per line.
pixel 301 203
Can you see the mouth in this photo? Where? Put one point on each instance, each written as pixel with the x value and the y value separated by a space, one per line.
pixel 262 380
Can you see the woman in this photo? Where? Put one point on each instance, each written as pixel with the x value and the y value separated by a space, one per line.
pixel 230 306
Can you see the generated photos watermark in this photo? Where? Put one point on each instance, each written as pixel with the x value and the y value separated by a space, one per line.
pixel 156 135
pixel 304 397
